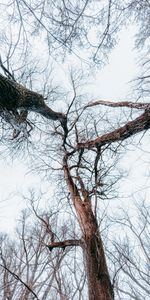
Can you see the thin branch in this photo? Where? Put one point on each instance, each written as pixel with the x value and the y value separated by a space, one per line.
pixel 19 279
pixel 106 31
pixel 46 223
pixel 6 71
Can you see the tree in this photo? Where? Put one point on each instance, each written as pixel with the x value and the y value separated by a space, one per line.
pixel 130 253
pixel 28 268
pixel 77 151
pixel 75 163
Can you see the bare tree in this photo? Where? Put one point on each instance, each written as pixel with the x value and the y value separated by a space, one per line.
pixel 130 253
pixel 81 163
pixel 70 26
pixel 29 268
pixel 79 152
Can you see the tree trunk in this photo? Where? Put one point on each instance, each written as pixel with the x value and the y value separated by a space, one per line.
pixel 99 284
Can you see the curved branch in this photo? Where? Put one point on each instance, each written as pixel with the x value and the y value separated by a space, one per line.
pixel 141 123
pixel 139 105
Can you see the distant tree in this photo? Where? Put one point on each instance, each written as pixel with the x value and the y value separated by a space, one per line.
pixel 28 267
pixel 130 253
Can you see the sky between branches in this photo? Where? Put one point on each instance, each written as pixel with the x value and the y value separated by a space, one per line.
pixel 110 83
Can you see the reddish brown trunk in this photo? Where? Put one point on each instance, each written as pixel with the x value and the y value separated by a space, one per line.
pixel 99 284
pixel 98 279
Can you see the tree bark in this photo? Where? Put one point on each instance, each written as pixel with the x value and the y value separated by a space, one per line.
pixel 131 128
pixel 15 96
pixel 99 284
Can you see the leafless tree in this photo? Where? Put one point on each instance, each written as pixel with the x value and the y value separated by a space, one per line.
pixel 82 164
pixel 84 139
pixel 29 267
pixel 130 253
pixel 69 26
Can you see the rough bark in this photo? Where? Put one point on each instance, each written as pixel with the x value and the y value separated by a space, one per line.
pixel 131 128
pixel 99 284
pixel 14 96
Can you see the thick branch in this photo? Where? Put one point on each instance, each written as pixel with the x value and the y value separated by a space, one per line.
pixel 131 128
pixel 64 244
pixel 139 105
pixel 14 96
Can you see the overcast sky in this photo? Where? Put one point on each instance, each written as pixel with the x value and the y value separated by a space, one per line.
pixel 111 83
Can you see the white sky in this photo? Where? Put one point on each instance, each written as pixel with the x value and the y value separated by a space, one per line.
pixel 111 84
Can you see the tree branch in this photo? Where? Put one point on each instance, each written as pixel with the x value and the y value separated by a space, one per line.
pixel 139 105
pixel 70 183
pixel 131 128
pixel 64 244
pixel 19 279
pixel 14 96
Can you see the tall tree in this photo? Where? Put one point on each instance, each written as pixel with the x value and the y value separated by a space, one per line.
pixel 81 163
pixel 79 150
